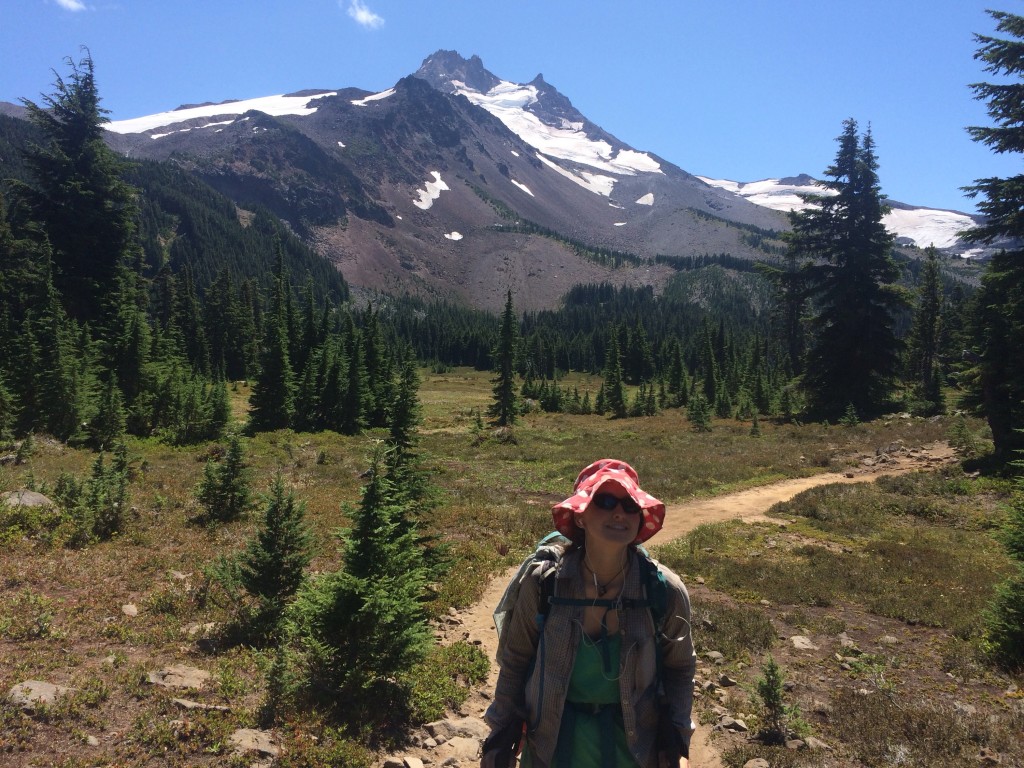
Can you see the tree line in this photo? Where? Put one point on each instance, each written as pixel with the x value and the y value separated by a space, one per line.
pixel 148 303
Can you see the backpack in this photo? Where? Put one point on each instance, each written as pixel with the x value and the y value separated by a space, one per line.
pixel 549 550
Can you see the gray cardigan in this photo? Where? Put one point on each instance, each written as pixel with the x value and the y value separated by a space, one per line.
pixel 536 691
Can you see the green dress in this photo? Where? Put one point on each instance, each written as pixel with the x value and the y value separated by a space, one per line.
pixel 591 734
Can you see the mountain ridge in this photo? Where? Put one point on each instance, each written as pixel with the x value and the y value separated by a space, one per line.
pixel 455 183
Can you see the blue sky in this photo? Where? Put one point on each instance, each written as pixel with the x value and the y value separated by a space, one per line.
pixel 737 89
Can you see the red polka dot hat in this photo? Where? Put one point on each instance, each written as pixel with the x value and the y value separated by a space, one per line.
pixel 594 478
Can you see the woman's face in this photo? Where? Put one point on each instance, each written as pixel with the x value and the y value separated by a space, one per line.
pixel 606 519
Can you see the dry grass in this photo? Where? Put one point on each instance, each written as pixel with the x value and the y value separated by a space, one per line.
pixel 61 616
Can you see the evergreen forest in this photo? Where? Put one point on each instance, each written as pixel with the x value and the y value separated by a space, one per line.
pixel 164 292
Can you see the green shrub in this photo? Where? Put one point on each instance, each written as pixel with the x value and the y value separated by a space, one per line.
pixel 441 681
pixel 330 748
pixel 836 508
pixel 51 525
pixel 27 616
pixel 1004 622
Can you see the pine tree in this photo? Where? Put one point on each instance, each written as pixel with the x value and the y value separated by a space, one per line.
pixel 218 410
pixel 854 350
pixel 790 281
pixel 86 208
pixel 997 379
pixel 698 412
pixel 925 336
pixel 188 318
pixel 614 400
pixel 362 627
pixel 358 396
pixel 224 492
pixel 770 690
pixel 504 407
pixel 402 431
pixel 108 425
pixel 272 401
pixel 60 378
pixel 8 411
pixel 25 267
pixel 272 566
pixel 106 495
pixel 124 339
pixel 677 384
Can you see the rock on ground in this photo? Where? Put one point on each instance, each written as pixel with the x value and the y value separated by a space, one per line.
pixel 32 693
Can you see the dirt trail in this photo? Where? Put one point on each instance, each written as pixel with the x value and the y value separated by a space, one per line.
pixel 749 505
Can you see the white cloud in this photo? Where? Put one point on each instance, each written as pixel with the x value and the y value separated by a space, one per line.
pixel 71 5
pixel 357 10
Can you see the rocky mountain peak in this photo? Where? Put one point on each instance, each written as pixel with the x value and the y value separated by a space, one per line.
pixel 443 67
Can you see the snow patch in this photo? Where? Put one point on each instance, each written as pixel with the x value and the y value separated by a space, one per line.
pixel 270 105
pixel 523 187
pixel 431 193
pixel 647 199
pixel 509 101
pixel 198 127
pixel 592 182
pixel 925 226
pixel 514 153
pixel 620 223
pixel 373 97
pixel 771 193
pixel 616 205
pixel 341 145
pixel 928 226
pixel 453 235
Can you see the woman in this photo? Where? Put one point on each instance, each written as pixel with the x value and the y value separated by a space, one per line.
pixel 600 679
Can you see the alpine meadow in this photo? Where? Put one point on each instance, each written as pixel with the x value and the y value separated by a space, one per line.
pixel 289 385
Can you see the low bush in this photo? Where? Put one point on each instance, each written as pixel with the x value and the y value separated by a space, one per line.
pixel 735 631
pixel 882 731
pixel 1004 622
pixel 442 680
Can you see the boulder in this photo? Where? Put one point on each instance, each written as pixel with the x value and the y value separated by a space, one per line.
pixel 25 498
pixel 467 727
pixel 179 676
pixel 31 694
pixel 196 705
pixel 815 744
pixel 251 740
pixel 464 748
pixel 802 643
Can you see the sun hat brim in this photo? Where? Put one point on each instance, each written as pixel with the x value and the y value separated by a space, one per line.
pixel 597 476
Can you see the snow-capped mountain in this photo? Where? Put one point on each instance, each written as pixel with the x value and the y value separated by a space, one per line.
pixel 457 182
pixel 920 227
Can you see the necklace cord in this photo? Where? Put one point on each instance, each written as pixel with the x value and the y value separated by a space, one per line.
pixel 603 588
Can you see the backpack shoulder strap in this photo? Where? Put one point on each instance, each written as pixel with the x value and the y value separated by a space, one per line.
pixel 656 588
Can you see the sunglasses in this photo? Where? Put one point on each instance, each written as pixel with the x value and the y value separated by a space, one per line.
pixel 609 502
